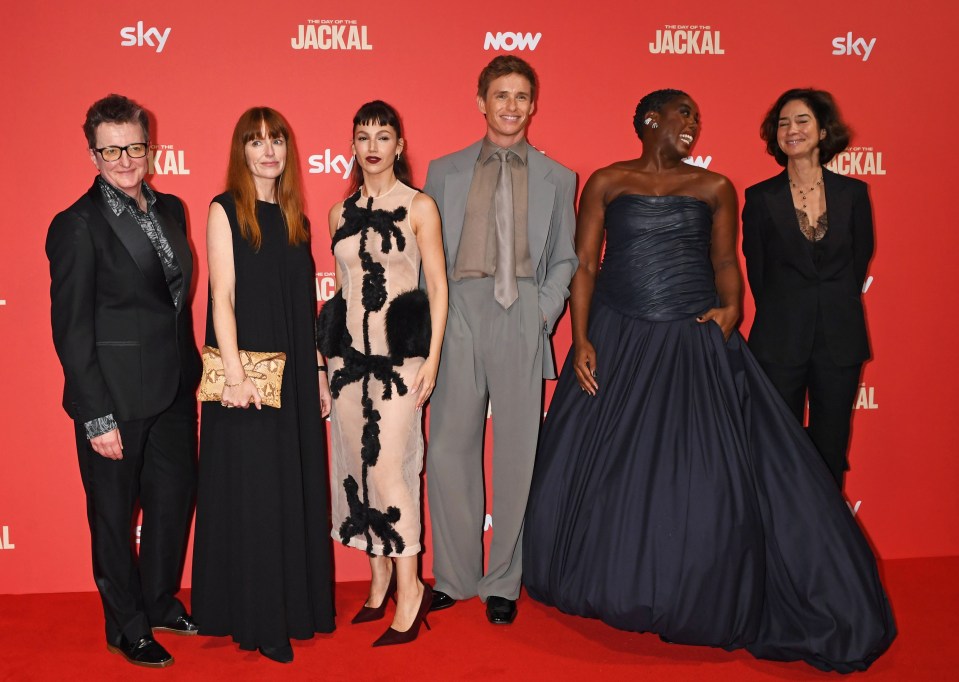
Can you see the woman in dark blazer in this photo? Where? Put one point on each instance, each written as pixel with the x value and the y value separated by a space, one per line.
pixel 808 238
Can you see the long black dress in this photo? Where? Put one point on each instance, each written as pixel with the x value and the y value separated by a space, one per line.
pixel 262 568
pixel 684 499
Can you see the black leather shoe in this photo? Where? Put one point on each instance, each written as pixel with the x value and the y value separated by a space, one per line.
pixel 183 625
pixel 500 610
pixel 280 654
pixel 145 651
pixel 441 601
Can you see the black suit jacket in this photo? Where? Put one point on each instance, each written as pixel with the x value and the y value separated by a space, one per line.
pixel 125 348
pixel 789 289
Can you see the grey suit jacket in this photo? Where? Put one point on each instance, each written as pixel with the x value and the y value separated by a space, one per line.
pixel 550 225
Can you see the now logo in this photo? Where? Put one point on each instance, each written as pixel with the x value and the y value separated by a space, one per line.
pixel 701 161
pixel 137 36
pixel 510 41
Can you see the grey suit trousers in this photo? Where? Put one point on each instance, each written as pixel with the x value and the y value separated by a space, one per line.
pixel 496 354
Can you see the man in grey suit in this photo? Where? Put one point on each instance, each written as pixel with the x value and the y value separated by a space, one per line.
pixel 508 226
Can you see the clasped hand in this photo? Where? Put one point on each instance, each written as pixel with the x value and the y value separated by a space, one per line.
pixel 241 395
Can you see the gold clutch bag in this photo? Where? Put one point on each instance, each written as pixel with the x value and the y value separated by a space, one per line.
pixel 265 369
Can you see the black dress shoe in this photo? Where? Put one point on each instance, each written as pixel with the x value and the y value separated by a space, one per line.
pixel 280 654
pixel 441 601
pixel 145 651
pixel 500 610
pixel 183 625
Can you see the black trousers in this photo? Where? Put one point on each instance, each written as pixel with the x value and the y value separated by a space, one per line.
pixel 158 471
pixel 831 391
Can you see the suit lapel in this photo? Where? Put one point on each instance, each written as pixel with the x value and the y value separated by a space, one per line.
pixel 779 201
pixel 838 206
pixel 136 243
pixel 540 205
pixel 176 237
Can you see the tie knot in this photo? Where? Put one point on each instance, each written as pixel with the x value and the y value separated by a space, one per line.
pixel 502 155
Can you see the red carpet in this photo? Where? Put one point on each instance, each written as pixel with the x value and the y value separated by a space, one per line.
pixel 60 637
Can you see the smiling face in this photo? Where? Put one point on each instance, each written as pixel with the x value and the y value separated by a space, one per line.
pixel 266 159
pixel 508 104
pixel 679 124
pixel 799 134
pixel 125 174
pixel 375 147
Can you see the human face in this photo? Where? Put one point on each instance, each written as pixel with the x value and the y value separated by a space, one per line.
pixel 375 147
pixel 679 124
pixel 799 133
pixel 125 174
pixel 266 159
pixel 508 104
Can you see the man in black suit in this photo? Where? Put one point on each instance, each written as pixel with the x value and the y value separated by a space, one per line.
pixel 121 268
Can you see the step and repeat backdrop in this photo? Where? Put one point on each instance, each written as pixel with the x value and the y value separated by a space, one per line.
pixel 197 66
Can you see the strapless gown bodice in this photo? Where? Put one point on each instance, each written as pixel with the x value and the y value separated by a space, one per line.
pixel 656 264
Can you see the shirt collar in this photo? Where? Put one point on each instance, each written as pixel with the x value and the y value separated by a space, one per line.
pixel 520 149
pixel 119 201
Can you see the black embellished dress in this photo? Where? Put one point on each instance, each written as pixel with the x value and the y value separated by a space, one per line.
pixel 684 498
pixel 376 428
pixel 262 565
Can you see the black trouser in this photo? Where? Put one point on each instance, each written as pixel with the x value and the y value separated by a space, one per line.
pixel 831 390
pixel 158 469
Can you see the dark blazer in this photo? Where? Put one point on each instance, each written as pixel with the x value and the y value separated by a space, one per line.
pixel 125 348
pixel 790 289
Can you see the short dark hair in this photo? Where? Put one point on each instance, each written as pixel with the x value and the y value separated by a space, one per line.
pixel 380 113
pixel 504 65
pixel 654 101
pixel 114 109
pixel 826 111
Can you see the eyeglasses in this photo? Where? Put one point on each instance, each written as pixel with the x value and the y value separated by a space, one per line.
pixel 137 150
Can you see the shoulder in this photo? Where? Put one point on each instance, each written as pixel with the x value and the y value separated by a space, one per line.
pixel 555 168
pixel 457 158
pixel 423 202
pixel 225 200
pixel 844 181
pixel 765 185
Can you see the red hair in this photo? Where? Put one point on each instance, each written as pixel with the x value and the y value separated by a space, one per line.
pixel 239 180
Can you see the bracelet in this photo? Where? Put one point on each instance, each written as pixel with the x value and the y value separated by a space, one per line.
pixel 240 383
pixel 321 368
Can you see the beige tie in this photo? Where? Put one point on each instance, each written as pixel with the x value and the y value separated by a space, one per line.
pixel 504 280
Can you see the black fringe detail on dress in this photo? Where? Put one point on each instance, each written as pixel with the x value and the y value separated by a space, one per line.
pixel 363 365
pixel 408 326
pixel 331 327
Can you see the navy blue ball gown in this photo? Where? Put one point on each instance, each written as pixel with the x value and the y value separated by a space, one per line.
pixel 684 499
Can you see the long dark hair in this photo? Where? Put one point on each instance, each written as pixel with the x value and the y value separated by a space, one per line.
pixel 380 113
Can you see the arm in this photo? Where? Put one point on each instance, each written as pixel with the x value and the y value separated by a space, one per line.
pixel 722 253
pixel 239 391
pixel 561 263
pixel 863 236
pixel 326 398
pixel 589 243
pixel 755 223
pixel 425 220
pixel 73 309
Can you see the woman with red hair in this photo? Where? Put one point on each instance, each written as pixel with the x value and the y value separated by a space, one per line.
pixel 262 571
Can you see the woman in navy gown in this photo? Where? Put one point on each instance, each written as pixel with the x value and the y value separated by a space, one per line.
pixel 674 492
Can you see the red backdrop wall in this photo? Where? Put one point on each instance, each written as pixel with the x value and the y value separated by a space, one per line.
pixel 197 68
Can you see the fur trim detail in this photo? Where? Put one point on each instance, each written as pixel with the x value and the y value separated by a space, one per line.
pixel 408 326
pixel 331 327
